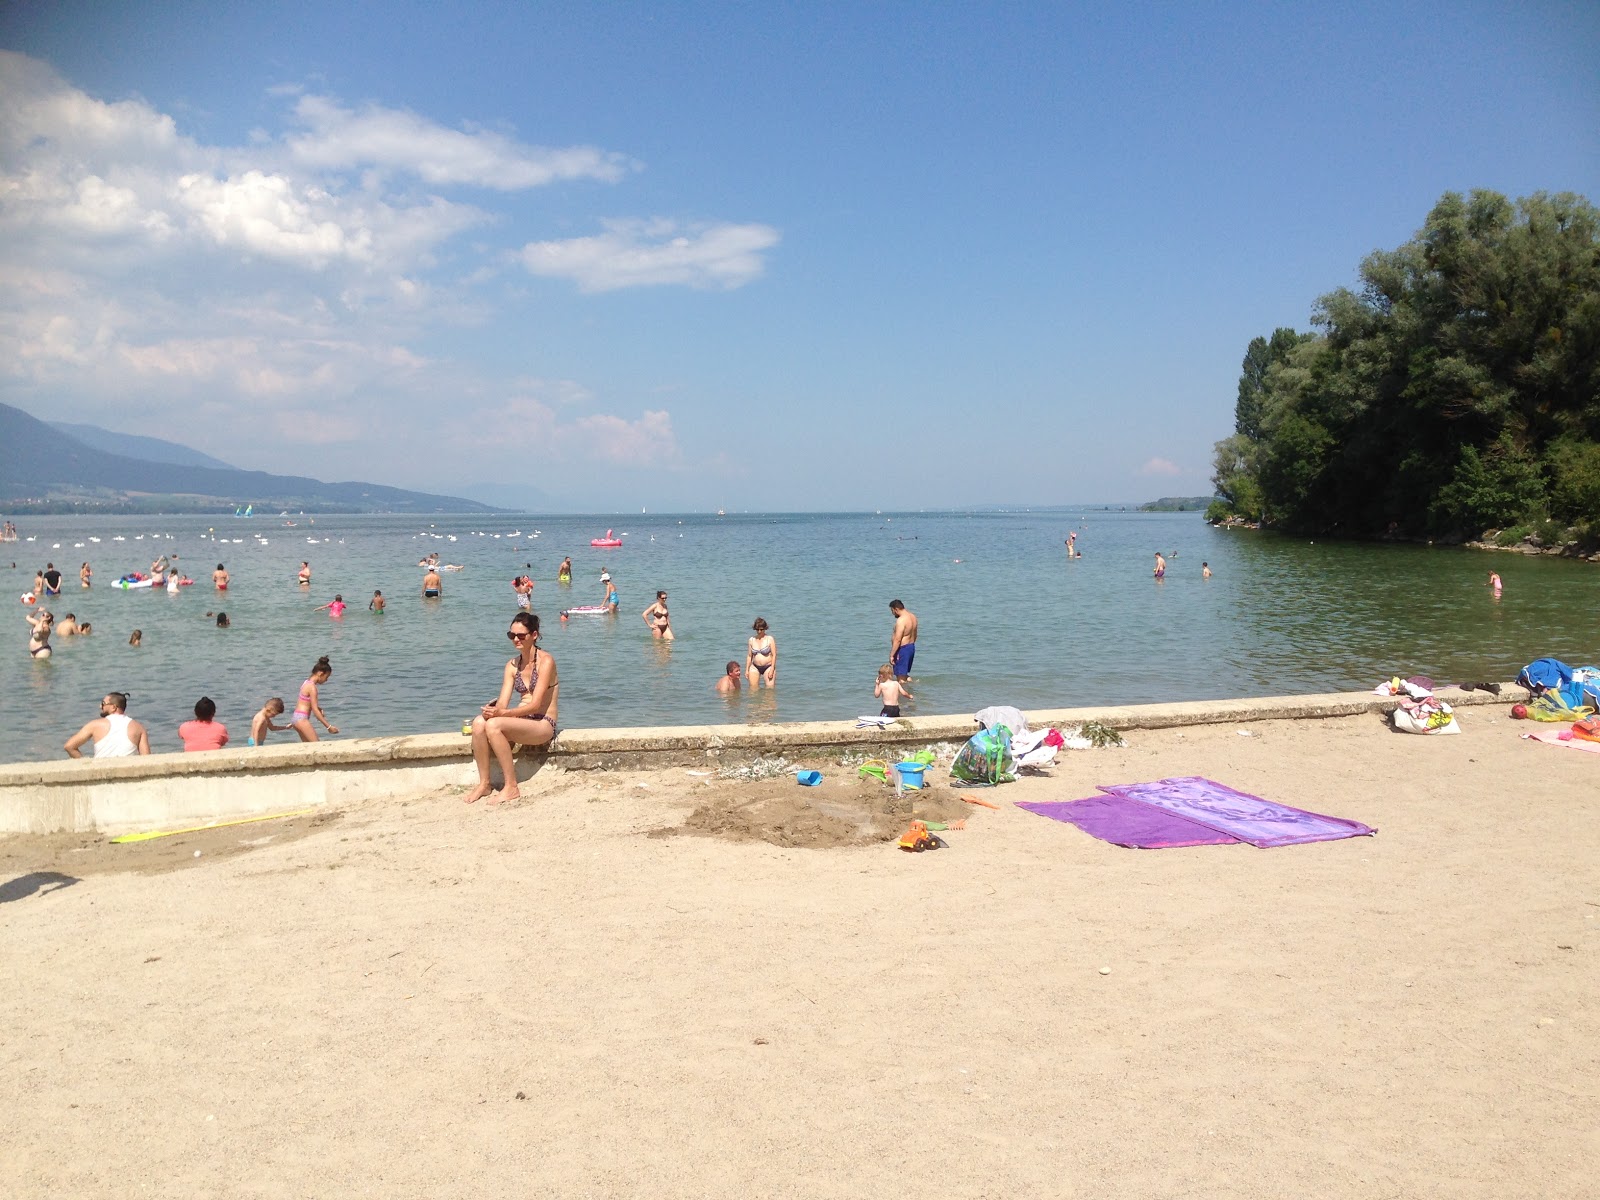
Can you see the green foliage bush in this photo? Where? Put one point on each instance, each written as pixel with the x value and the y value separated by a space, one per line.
pixel 1550 532
pixel 1574 468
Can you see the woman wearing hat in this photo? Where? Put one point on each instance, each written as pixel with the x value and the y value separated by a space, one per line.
pixel 612 599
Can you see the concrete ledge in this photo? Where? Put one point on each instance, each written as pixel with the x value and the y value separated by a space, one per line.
pixel 170 790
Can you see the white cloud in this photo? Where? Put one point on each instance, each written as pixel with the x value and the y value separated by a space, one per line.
pixel 528 421
pixel 263 299
pixel 266 214
pixel 37 105
pixel 639 253
pixel 341 138
pixel 647 442
pixel 1160 466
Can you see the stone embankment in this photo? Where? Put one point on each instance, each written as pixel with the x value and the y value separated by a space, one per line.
pixel 167 791
pixel 1534 544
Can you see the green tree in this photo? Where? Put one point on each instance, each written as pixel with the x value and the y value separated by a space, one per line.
pixel 1259 358
pixel 1234 478
pixel 1458 386
pixel 1574 467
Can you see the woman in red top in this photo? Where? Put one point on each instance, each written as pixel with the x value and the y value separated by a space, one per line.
pixel 205 732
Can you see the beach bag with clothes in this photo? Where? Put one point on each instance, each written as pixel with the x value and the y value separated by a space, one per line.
pixel 1543 674
pixel 986 759
pixel 1425 716
pixel 1560 688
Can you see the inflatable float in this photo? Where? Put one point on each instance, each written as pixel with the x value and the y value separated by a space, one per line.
pixel 608 541
pixel 129 583
pixel 587 610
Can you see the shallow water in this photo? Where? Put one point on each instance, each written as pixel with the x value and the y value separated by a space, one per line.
pixel 1005 618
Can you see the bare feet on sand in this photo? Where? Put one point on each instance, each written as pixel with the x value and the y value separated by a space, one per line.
pixel 477 793
pixel 504 795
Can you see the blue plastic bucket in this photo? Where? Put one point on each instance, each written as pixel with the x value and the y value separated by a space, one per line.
pixel 911 774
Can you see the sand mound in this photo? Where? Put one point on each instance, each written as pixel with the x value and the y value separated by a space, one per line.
pixel 838 812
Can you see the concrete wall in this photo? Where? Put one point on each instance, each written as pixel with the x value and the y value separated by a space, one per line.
pixel 170 791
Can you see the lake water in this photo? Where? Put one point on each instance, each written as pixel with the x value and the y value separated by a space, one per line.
pixel 1005 618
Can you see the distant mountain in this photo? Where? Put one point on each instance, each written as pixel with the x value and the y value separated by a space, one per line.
pixel 44 469
pixel 132 445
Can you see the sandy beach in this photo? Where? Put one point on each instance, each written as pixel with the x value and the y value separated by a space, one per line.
pixel 670 984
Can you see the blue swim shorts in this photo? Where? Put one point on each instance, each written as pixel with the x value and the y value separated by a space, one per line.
pixel 902 659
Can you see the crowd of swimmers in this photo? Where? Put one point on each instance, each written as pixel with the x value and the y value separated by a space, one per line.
pixel 524 712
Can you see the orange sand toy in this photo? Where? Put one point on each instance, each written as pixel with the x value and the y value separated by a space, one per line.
pixel 985 803
pixel 916 838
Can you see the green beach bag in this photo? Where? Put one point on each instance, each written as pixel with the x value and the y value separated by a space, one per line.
pixel 986 759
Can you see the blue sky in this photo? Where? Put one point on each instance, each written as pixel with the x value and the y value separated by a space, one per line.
pixel 766 257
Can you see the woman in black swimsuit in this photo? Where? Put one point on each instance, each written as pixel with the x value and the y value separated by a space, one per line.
pixel 524 713
pixel 656 617
pixel 39 639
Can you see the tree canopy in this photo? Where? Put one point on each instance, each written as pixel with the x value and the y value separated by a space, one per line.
pixel 1457 390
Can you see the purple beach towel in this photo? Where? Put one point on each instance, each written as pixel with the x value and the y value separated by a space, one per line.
pixel 1190 807
pixel 1124 822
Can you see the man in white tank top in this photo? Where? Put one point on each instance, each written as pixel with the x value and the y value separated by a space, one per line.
pixel 115 734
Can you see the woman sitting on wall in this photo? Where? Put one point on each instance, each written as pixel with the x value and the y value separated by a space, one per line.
pixel 524 713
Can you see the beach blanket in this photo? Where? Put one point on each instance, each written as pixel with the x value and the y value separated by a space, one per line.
pixel 1204 805
pixel 1552 737
pixel 1130 823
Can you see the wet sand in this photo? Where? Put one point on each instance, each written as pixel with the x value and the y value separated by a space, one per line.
pixel 623 987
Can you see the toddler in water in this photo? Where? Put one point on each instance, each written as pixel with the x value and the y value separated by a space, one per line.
pixel 890 691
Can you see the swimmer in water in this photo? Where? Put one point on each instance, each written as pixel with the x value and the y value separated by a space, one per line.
pixel 39 640
pixel 376 603
pixel 1160 571
pixel 1494 583
pixel 219 578
pixel 304 577
pixel 890 691
pixel 564 571
pixel 730 681
pixel 261 723
pixel 657 618
pixel 307 705
pixel 761 656
pixel 1205 570
pixel 431 585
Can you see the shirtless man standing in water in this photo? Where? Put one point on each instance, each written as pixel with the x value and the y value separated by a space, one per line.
pixel 903 646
